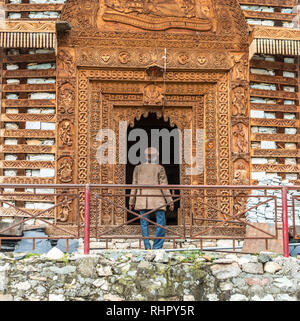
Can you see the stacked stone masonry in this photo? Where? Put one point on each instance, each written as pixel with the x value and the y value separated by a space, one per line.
pixel 154 276
pixel 28 111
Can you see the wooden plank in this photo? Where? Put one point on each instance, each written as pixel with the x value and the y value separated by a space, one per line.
pixel 273 80
pixel 276 137
pixel 10 211
pixel 256 246
pixel 23 164
pixel 29 88
pixel 38 7
pixel 276 65
pixel 275 168
pixel 26 180
pixel 30 58
pixel 275 3
pixel 274 94
pixel 22 196
pixel 21 103
pixel 266 122
pixel 28 133
pixel 269 15
pixel 275 107
pixel 25 73
pixel 275 153
pixel 28 117
pixel 27 149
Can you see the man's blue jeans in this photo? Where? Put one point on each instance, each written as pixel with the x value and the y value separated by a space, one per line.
pixel 159 232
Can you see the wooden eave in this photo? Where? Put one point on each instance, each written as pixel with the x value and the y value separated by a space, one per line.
pixel 275 41
pixel 30 34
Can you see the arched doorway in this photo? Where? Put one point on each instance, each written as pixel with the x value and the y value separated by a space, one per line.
pixel 171 165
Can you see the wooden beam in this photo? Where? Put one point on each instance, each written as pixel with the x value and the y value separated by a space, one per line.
pixel 273 80
pixel 263 64
pixel 38 7
pixel 27 133
pixel 29 88
pixel 275 108
pixel 275 168
pixel 286 138
pixel 30 58
pixel 28 117
pixel 275 3
pixel 26 180
pixel 27 149
pixel 267 122
pixel 29 103
pixel 25 73
pixel 269 15
pixel 27 164
pixel 275 153
pixel 274 94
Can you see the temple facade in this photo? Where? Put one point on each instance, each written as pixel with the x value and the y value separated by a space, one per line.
pixel 70 68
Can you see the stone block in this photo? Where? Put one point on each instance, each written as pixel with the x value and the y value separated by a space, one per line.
pixel 257 114
pixel 253 268
pixel 56 297
pixel 225 271
pixel 6 297
pixel 272 267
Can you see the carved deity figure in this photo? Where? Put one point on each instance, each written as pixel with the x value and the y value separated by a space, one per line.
pixel 239 102
pixel 144 13
pixel 240 205
pixel 153 95
pixel 66 100
pixel 64 210
pixel 65 133
pixel 65 171
pixel 66 62
pixel 241 175
pixel 241 139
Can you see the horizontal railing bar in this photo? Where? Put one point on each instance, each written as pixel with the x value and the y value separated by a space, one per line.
pixel 129 186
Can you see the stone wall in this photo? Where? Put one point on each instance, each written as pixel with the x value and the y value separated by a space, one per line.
pixel 150 275
pixel 265 213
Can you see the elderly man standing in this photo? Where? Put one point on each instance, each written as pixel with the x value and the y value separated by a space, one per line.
pixel 151 173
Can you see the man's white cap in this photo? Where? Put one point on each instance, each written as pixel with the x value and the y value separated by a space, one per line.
pixel 151 151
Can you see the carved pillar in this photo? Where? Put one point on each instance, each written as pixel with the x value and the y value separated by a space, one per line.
pixel 240 129
pixel 65 131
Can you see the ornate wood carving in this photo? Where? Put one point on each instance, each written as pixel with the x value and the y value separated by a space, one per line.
pixel 102 79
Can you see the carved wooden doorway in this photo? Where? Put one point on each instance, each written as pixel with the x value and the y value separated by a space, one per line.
pixel 189 106
pixel 169 154
pixel 202 70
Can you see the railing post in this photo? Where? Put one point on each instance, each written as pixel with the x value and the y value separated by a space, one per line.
pixel 87 220
pixel 285 225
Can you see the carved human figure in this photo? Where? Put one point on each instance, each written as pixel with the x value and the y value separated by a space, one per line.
pixel 66 62
pixel 239 204
pixel 172 11
pixel 152 95
pixel 65 133
pixel 239 102
pixel 65 171
pixel 66 100
pixel 64 210
pixel 240 138
pixel 241 175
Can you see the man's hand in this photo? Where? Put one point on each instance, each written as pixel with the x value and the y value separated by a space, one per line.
pixel 172 207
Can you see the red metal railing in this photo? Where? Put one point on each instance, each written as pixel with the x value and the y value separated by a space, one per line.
pixel 209 197
pixel 229 218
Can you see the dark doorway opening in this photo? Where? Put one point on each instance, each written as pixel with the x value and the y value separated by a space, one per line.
pixel 172 168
